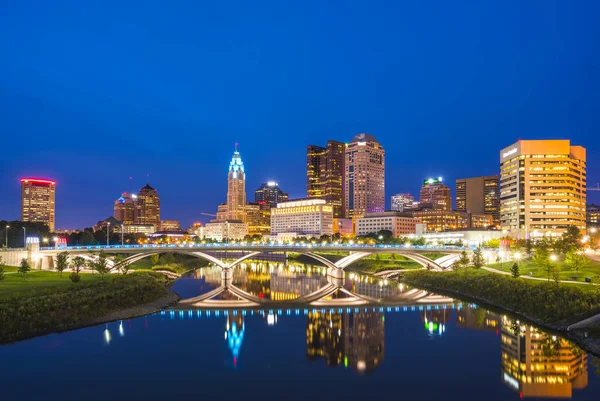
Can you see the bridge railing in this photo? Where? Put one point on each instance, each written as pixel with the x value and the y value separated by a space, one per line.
pixel 242 245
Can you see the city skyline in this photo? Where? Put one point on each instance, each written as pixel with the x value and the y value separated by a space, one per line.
pixel 179 98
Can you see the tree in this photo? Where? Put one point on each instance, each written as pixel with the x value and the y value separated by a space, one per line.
pixel 24 267
pixel 515 270
pixel 477 259
pixel 576 260
pixel 571 239
pixel 2 269
pixel 167 259
pixel 529 247
pixel 154 259
pixel 62 262
pixel 77 263
pixel 556 274
pixel 100 264
pixel 542 259
pixel 429 267
pixel 464 260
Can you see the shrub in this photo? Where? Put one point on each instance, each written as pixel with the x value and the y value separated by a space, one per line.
pixel 75 277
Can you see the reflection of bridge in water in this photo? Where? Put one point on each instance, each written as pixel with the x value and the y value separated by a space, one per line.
pixel 272 286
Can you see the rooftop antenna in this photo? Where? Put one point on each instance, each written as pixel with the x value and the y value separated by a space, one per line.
pixel 130 184
pixel 148 178
pixel 236 147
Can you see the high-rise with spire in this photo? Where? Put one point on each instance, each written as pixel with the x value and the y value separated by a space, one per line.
pixel 234 209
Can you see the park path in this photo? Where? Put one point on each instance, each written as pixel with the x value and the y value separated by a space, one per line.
pixel 492 270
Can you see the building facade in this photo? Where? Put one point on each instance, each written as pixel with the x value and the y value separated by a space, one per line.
pixel 364 182
pixel 38 201
pixel 435 192
pixel 231 230
pixel 593 214
pixel 442 220
pixel 542 187
pixel 170 225
pixel 147 207
pixel 325 174
pixel 258 219
pixel 269 194
pixel 309 217
pixel 479 195
pixel 399 223
pixel 402 202
pixel 124 208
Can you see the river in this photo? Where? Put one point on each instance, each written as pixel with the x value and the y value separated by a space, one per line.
pixel 421 352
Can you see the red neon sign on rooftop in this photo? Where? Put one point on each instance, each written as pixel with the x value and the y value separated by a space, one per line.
pixel 38 180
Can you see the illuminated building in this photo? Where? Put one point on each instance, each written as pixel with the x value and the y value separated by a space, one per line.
pixel 234 335
pixel 147 206
pixel 399 223
pixel 138 229
pixel 343 226
pixel 310 217
pixel 542 187
pixel 364 181
pixel 364 337
pixel 325 174
pixel 258 219
pixel 124 208
pixel 478 195
pixel 324 337
pixel 225 230
pixel 170 225
pixel 233 209
pixel 402 202
pixel 287 285
pixel 441 220
pixel 593 214
pixel 38 201
pixel 269 194
pixel 466 237
pixel 536 364
pixel 435 192
pixel 195 229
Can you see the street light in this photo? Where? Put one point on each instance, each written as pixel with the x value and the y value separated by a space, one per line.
pixel 593 230
pixel 24 237
pixel 517 257
pixel 501 254
pixel 6 231
pixel 107 232
pixel 122 232
pixel 553 258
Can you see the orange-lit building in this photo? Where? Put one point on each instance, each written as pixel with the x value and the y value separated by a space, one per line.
pixel 124 208
pixel 38 201
pixel 147 207
pixel 542 187
pixel 437 193
pixel 325 175
pixel 442 220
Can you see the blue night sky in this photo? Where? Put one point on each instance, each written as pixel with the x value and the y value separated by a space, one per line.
pixel 91 95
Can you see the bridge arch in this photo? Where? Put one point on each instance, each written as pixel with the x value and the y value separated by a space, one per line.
pixel 143 255
pixel 420 259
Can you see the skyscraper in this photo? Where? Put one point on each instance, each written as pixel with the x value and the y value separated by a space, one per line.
pixel 234 209
pixel 147 207
pixel 124 208
pixel 325 174
pixel 478 195
pixel 437 193
pixel 269 194
pixel 364 181
pixel 542 187
pixel 37 201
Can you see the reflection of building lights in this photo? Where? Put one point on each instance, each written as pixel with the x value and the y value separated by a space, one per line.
pixel 271 319
pixel 361 366
pixel 121 331
pixel 107 335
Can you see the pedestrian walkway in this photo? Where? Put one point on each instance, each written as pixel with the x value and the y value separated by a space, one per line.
pixel 492 270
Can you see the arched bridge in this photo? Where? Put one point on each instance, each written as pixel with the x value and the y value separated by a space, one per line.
pixel 207 252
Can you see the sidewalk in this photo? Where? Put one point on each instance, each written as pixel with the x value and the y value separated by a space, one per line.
pixel 492 270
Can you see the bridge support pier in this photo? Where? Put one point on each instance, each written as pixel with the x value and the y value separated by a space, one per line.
pixel 226 277
pixel 335 276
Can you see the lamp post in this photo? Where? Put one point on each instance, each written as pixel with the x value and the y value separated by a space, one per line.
pixel 517 257
pixel 107 231
pixel 6 240
pixel 55 239
pixel 24 237
pixel 501 254
pixel 552 259
pixel 122 232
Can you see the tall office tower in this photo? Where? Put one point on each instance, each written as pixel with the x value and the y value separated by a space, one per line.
pixel 437 193
pixel 542 187
pixel 364 182
pixel 325 174
pixel 37 201
pixel 124 208
pixel 236 186
pixel 402 202
pixel 147 207
pixel 269 194
pixel 478 195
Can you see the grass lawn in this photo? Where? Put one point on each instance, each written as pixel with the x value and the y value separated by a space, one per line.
pixel 37 282
pixel 592 270
pixel 10 269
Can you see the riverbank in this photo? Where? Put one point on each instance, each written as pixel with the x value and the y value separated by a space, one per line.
pixel 543 304
pixel 60 307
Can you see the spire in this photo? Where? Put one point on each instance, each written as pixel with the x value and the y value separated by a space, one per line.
pixel 236 148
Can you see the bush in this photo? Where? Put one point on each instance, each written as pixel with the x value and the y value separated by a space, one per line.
pixel 77 305
pixel 542 301
pixel 75 277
